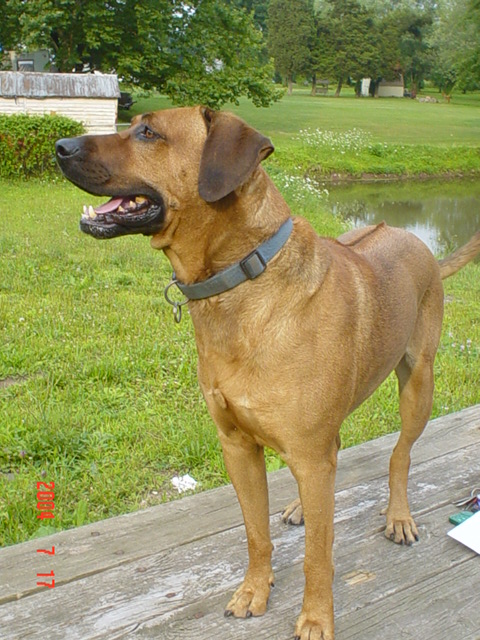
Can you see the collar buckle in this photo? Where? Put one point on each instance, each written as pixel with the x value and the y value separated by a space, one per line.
pixel 253 265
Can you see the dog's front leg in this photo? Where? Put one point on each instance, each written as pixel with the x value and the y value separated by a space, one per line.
pixel 245 464
pixel 316 483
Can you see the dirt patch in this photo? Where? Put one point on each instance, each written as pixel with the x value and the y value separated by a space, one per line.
pixel 316 174
pixel 11 380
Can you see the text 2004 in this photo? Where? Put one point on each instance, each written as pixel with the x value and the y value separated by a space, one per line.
pixel 46 506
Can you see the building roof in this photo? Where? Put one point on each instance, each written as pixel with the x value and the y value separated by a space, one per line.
pixel 391 83
pixel 58 85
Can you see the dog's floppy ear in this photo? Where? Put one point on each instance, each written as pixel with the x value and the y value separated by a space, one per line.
pixel 231 153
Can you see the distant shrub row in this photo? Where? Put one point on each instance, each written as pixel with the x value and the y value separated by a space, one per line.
pixel 27 144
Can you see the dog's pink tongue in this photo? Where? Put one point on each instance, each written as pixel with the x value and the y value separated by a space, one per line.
pixel 111 205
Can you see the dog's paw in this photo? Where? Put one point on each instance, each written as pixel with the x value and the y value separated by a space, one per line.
pixel 306 629
pixel 293 514
pixel 401 530
pixel 250 599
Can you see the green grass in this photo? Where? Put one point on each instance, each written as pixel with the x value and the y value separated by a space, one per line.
pixel 105 400
pixel 110 408
pixel 350 137
pixel 387 120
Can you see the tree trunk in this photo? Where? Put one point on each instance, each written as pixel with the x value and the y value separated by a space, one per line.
pixel 290 85
pixel 314 84
pixel 413 86
pixel 339 87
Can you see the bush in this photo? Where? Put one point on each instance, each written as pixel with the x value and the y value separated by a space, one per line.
pixel 27 144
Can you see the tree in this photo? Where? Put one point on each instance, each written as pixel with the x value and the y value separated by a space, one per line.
pixel 291 34
pixel 195 51
pixel 323 50
pixel 220 58
pixel 475 58
pixel 415 53
pixel 77 32
pixel 404 42
pixel 8 26
pixel 455 42
pixel 259 9
pixel 347 46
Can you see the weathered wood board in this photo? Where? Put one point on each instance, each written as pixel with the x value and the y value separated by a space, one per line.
pixel 168 571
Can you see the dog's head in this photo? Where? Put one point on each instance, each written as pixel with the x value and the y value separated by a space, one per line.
pixel 162 165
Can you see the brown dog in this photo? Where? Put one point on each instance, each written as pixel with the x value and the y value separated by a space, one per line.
pixel 287 354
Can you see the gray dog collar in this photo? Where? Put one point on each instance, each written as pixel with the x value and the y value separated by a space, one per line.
pixel 249 268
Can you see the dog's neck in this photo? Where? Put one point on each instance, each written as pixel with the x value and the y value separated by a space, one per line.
pixel 243 220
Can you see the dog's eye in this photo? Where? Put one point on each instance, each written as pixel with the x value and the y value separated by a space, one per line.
pixel 148 133
pixel 145 133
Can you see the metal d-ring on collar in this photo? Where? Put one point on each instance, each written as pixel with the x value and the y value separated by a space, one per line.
pixel 176 306
pixel 249 268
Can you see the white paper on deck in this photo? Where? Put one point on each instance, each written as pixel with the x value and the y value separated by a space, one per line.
pixel 468 533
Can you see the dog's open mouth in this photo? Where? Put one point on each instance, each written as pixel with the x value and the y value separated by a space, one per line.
pixel 123 215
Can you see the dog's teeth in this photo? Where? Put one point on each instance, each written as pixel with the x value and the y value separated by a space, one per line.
pixel 131 203
pixel 140 199
pixel 91 212
pixel 121 209
pixel 85 211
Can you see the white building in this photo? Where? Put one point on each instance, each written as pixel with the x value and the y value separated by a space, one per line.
pixel 390 89
pixel 91 99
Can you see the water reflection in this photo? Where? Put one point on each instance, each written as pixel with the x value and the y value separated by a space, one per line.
pixel 444 214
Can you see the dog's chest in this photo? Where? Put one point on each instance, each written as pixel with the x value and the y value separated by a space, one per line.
pixel 238 399
pixel 231 395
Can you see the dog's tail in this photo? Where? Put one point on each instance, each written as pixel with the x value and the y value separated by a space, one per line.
pixel 459 258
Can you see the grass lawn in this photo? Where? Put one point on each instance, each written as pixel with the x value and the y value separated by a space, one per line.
pixel 350 137
pixel 389 120
pixel 99 390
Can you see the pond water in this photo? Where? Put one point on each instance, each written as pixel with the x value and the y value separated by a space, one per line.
pixel 444 214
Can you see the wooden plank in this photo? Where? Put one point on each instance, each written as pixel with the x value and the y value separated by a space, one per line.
pixel 117 541
pixel 443 607
pixel 397 571
pixel 394 573
pixel 168 591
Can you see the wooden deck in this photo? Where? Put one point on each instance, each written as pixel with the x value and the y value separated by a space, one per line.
pixel 167 572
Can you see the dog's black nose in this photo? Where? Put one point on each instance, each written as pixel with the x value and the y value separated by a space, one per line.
pixel 67 147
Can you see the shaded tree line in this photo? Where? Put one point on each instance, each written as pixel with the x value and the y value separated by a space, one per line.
pixel 346 40
pixel 195 51
pixel 213 52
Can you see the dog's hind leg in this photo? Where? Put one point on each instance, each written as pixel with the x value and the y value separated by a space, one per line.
pixel 293 513
pixel 415 381
pixel 416 388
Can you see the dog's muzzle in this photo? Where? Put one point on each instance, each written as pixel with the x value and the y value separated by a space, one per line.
pixel 129 211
